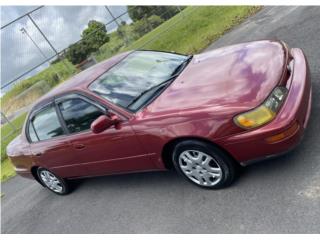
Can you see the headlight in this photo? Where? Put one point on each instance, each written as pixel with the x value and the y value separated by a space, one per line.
pixel 265 112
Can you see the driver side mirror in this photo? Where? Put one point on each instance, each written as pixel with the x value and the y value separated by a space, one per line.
pixel 104 122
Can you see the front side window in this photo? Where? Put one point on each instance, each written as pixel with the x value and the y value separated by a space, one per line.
pixel 78 114
pixel 45 125
pixel 137 73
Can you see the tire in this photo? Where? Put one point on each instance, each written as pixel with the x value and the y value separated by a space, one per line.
pixel 204 164
pixel 53 182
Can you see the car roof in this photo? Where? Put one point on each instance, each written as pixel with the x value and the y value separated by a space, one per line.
pixel 81 80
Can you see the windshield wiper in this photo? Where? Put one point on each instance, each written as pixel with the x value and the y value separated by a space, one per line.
pixel 152 88
pixel 182 65
pixel 175 74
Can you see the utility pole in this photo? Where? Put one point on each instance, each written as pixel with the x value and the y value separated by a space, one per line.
pixel 47 40
pixel 24 31
pixel 115 20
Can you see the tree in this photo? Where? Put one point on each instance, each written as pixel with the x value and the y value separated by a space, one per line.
pixel 121 29
pixel 154 21
pixel 77 52
pixel 137 13
pixel 95 35
pixel 145 25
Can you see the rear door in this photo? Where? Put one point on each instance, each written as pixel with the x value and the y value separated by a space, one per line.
pixel 112 151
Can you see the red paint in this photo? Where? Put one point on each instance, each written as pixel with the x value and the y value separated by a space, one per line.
pixel 200 103
pixel 104 122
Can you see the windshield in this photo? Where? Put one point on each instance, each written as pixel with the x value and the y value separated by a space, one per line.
pixel 133 76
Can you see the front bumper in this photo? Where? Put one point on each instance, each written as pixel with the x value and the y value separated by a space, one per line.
pixel 295 112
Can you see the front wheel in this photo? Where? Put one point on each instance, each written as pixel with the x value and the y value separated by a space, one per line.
pixel 204 164
pixel 52 182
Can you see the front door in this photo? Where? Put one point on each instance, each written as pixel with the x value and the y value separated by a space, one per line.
pixel 112 151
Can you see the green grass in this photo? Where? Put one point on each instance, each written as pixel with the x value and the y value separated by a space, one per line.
pixel 116 44
pixel 63 69
pixel 7 170
pixel 6 167
pixel 190 32
pixel 194 28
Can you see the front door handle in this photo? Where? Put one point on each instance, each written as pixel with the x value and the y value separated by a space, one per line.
pixel 79 146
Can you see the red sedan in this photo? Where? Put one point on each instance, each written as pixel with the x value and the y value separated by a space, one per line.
pixel 146 111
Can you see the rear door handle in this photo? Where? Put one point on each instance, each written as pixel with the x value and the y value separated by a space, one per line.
pixel 79 146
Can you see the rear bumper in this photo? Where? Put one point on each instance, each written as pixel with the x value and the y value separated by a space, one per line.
pixel 24 172
pixel 294 114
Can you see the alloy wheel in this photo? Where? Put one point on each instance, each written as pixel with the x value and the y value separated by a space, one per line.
pixel 51 181
pixel 200 168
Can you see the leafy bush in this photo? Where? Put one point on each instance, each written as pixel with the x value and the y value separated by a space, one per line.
pixel 137 13
pixel 126 33
pixel 77 52
pixel 145 25
pixel 93 37
pixel 194 28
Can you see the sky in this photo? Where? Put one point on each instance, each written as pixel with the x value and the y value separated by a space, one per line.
pixel 62 25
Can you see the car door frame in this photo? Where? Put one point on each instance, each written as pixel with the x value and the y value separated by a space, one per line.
pixel 66 134
pixel 104 107
pixel 67 96
pixel 143 155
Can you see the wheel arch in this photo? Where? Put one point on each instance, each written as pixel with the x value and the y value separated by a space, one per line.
pixel 34 173
pixel 168 148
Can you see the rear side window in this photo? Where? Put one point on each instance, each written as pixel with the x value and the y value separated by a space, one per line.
pixel 78 114
pixel 45 125
pixel 32 134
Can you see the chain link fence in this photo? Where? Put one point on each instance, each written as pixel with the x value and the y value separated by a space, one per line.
pixel 34 46
pixel 45 33
pixel 23 101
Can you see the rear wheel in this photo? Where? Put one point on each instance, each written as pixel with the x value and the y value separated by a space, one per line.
pixel 53 182
pixel 204 164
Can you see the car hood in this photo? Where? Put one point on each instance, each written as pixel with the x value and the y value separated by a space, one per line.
pixel 228 80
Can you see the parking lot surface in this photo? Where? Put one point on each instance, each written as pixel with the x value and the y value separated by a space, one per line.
pixel 277 196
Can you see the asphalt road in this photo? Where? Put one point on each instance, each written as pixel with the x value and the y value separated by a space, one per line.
pixel 278 196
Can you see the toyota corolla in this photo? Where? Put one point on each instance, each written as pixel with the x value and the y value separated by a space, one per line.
pixel 203 115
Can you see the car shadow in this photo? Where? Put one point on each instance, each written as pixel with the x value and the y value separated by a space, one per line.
pixel 163 179
pixel 130 180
